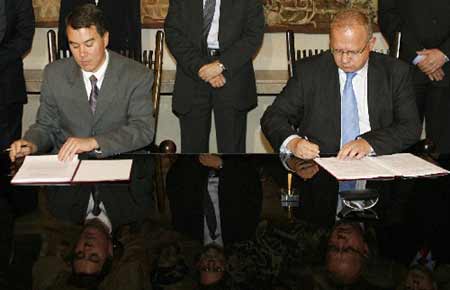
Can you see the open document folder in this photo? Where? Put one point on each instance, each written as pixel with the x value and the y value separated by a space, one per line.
pixel 386 166
pixel 47 169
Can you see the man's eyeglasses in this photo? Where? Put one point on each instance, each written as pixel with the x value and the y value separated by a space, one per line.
pixel 347 250
pixel 350 53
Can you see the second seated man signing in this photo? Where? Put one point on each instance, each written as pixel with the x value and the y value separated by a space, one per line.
pixel 95 100
pixel 348 101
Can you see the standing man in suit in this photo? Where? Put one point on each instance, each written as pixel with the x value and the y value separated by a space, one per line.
pixel 96 100
pixel 349 100
pixel 226 189
pixel 16 37
pixel 425 43
pixel 213 42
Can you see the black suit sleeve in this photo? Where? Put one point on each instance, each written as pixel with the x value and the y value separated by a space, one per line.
pixel 239 54
pixel 187 55
pixel 22 31
pixel 391 20
pixel 285 114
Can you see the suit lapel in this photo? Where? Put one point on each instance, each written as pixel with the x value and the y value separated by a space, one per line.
pixel 225 16
pixel 335 101
pixel 78 97
pixel 373 81
pixel 108 90
pixel 196 7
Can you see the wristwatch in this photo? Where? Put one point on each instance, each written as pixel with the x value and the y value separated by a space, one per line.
pixel 222 66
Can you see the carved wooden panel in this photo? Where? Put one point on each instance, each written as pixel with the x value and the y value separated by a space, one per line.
pixel 308 16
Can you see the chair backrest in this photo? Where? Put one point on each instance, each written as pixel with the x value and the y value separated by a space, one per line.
pixel 294 55
pixel 290 45
pixel 394 49
pixel 157 69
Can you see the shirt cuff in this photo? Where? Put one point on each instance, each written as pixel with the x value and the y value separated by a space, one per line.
pixel 283 147
pixel 417 59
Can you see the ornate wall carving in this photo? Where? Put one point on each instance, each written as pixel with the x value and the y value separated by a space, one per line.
pixel 309 16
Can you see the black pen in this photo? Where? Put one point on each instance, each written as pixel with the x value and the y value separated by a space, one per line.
pixel 9 149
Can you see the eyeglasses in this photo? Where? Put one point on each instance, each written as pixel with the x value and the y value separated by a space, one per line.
pixel 350 53
pixel 347 250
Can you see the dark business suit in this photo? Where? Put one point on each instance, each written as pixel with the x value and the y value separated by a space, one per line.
pixel 16 41
pixel 240 197
pixel 123 120
pixel 311 102
pixel 123 19
pixel 124 203
pixel 424 25
pixel 241 30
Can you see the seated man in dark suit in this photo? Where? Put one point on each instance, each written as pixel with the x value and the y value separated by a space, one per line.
pixel 96 100
pixel 349 101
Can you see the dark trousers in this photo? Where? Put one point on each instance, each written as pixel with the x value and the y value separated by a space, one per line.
pixel 434 105
pixel 195 125
pixel 10 124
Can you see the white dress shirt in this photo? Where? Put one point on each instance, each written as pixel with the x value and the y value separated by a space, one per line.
pixel 213 36
pixel 360 88
pixel 214 194
pixel 103 216
pixel 99 74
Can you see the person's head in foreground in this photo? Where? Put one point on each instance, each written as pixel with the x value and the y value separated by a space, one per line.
pixel 211 265
pixel 92 257
pixel 418 278
pixel 347 253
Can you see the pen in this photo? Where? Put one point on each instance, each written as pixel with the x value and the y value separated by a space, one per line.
pixel 307 139
pixel 9 149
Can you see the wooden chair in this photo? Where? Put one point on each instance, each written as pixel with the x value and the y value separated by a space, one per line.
pixel 394 49
pixel 146 58
pixel 294 55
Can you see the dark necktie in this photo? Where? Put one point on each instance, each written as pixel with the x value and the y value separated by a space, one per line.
pixel 2 19
pixel 208 206
pixel 94 93
pixel 208 14
pixel 96 197
pixel 349 121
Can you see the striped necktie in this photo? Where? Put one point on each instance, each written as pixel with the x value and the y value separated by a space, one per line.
pixel 94 93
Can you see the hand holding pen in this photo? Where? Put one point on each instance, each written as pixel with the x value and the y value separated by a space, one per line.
pixel 21 148
pixel 303 148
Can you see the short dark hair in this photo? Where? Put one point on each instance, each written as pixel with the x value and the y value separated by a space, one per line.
pixel 85 16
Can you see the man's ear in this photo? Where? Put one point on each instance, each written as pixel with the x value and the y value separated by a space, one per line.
pixel 110 248
pixel 106 38
pixel 372 42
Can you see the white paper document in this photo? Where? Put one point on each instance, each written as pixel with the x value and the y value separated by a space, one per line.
pixel 47 169
pixel 387 166
pixel 103 170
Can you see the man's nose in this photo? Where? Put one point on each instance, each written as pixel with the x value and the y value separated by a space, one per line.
pixel 83 51
pixel 345 57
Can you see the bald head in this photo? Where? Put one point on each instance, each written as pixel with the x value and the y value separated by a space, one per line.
pixel 349 18
pixel 351 39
